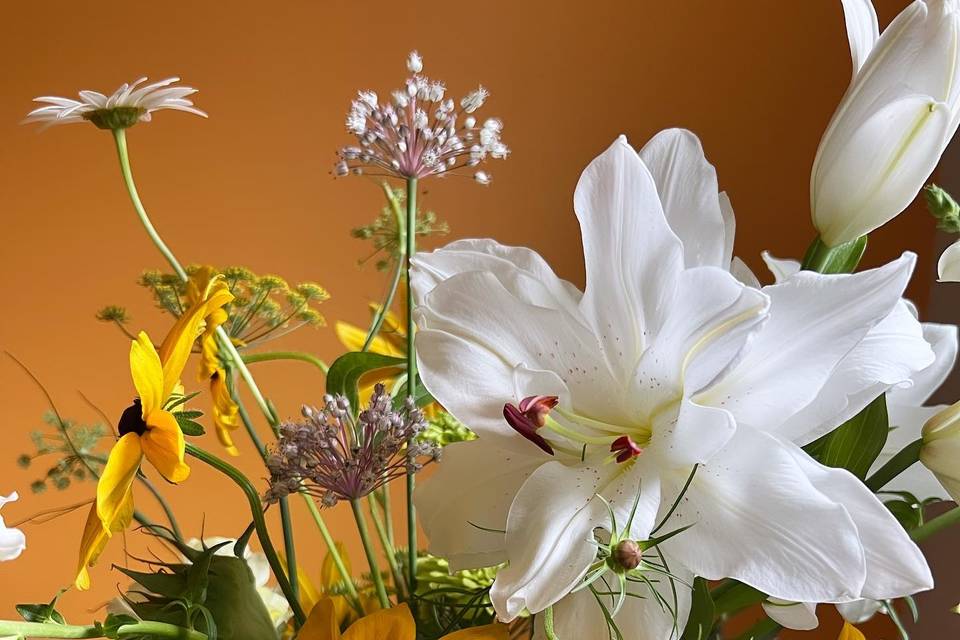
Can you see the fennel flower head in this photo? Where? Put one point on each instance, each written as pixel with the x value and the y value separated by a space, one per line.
pixel 333 456
pixel 420 132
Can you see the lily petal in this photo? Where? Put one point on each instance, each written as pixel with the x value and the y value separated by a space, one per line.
pixel 801 616
pixel 948 267
pixel 863 31
pixel 116 479
pixel 164 446
pixel 906 426
pixel 147 373
pixel 943 341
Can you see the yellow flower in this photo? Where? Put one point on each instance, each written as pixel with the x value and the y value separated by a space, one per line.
pixel 146 429
pixel 331 588
pixel 850 632
pixel 388 624
pixel 205 284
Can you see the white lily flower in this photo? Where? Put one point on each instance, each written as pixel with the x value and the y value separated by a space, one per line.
pixel 666 361
pixel 948 267
pixel 894 121
pixel 12 541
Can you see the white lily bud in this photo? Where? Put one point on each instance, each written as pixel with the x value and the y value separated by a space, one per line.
pixel 940 452
pixel 894 121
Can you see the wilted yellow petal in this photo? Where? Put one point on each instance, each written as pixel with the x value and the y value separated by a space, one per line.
pixel 95 537
pixel 850 632
pixel 387 624
pixel 321 624
pixel 115 481
pixel 487 632
pixel 147 373
pixel 164 447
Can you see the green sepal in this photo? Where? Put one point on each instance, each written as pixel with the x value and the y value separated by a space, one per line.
pixel 344 375
pixel 856 444
pixel 42 612
pixel 702 612
pixel 111 626
pixel 843 258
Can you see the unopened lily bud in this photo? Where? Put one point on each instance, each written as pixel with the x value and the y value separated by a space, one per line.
pixel 943 207
pixel 627 555
pixel 940 452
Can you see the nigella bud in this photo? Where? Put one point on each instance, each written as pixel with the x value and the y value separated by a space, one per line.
pixel 627 555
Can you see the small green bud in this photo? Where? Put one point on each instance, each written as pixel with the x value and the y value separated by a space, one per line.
pixel 627 555
pixel 113 313
pixel 943 207
pixel 115 118
pixel 312 291
pixel 62 482
pixel 38 486
pixel 24 460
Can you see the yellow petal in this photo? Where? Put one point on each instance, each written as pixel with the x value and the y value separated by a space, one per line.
pixel 329 574
pixel 321 624
pixel 118 475
pixel 850 632
pixel 387 624
pixel 488 632
pixel 225 413
pixel 147 373
pixel 164 447
pixel 353 337
pixel 95 537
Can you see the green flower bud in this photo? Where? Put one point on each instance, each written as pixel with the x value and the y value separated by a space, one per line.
pixel 943 207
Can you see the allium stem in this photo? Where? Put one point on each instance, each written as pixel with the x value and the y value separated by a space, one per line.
pixel 385 543
pixel 411 245
pixel 335 554
pixel 259 523
pixel 371 554
pixel 268 356
pixel 397 271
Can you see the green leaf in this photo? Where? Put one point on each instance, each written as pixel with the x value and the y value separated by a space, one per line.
pixel 702 612
pixel 344 375
pixel 843 258
pixel 176 401
pixel 40 613
pixel 423 397
pixel 189 415
pixel 856 444
pixel 188 426
pixel 111 626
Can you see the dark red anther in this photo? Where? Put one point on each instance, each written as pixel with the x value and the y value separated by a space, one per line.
pixel 625 448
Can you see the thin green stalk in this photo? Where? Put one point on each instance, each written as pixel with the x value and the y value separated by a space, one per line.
pixel 411 244
pixel 334 553
pixel 267 356
pixel 19 629
pixel 149 629
pixel 167 509
pixel 548 624
pixel 260 524
pixel 371 554
pixel 388 513
pixel 941 522
pixel 388 549
pixel 899 463
pixel 765 629
pixel 289 548
pixel 397 272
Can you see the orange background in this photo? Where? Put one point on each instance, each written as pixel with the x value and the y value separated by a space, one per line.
pixel 757 80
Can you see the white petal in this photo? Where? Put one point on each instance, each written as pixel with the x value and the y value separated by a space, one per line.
pixel 801 616
pixel 578 616
pixel 906 425
pixel 948 267
pixel 815 320
pixel 688 190
pixel 863 31
pixel 549 533
pixel 465 531
pixel 643 617
pixel 12 543
pixel 859 611
pixel 632 257
pixel 781 268
pixel 890 354
pixel 259 567
pixel 895 565
pixel 943 341
pixel 729 227
pixel 757 518
pixel 740 271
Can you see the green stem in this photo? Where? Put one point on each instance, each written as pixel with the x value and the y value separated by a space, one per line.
pixel 388 549
pixel 411 245
pixel 267 356
pixel 397 272
pixel 899 463
pixel 245 417
pixel 548 624
pixel 371 554
pixel 765 629
pixel 167 509
pixel 338 562
pixel 843 258
pixel 52 630
pixel 149 629
pixel 941 522
pixel 260 524
pixel 289 548
pixel 388 513
pixel 736 597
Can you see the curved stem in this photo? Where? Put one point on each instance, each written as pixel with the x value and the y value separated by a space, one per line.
pixel 936 525
pixel 397 272
pixel 411 238
pixel 167 509
pixel 899 463
pixel 371 554
pixel 548 624
pixel 268 356
pixel 334 554
pixel 259 523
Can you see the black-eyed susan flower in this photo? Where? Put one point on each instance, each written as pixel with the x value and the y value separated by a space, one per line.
pixel 147 428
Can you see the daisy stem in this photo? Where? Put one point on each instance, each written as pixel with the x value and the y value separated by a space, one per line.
pixel 226 345
pixel 936 525
pixel 899 463
pixel 259 523
pixel 250 358
pixel 388 549
pixel 371 553
pixel 397 272
pixel 411 245
pixel 335 554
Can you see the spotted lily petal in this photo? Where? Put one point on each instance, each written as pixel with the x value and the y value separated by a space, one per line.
pixel 164 447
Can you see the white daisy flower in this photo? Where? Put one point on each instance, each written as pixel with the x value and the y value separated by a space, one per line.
pixel 127 106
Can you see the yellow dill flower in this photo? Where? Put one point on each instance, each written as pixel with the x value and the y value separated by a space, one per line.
pixel 388 624
pixel 146 429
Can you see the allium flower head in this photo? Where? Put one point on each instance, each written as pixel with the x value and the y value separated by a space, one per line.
pixel 419 132
pixel 335 457
pixel 127 106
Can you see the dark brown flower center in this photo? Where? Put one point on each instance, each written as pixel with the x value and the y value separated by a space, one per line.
pixel 131 420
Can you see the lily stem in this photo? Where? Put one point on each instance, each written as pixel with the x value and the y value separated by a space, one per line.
pixel 267 356
pixel 397 272
pixel 899 463
pixel 936 525
pixel 411 245
pixel 548 624
pixel 259 523
pixel 371 553
pixel 334 552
